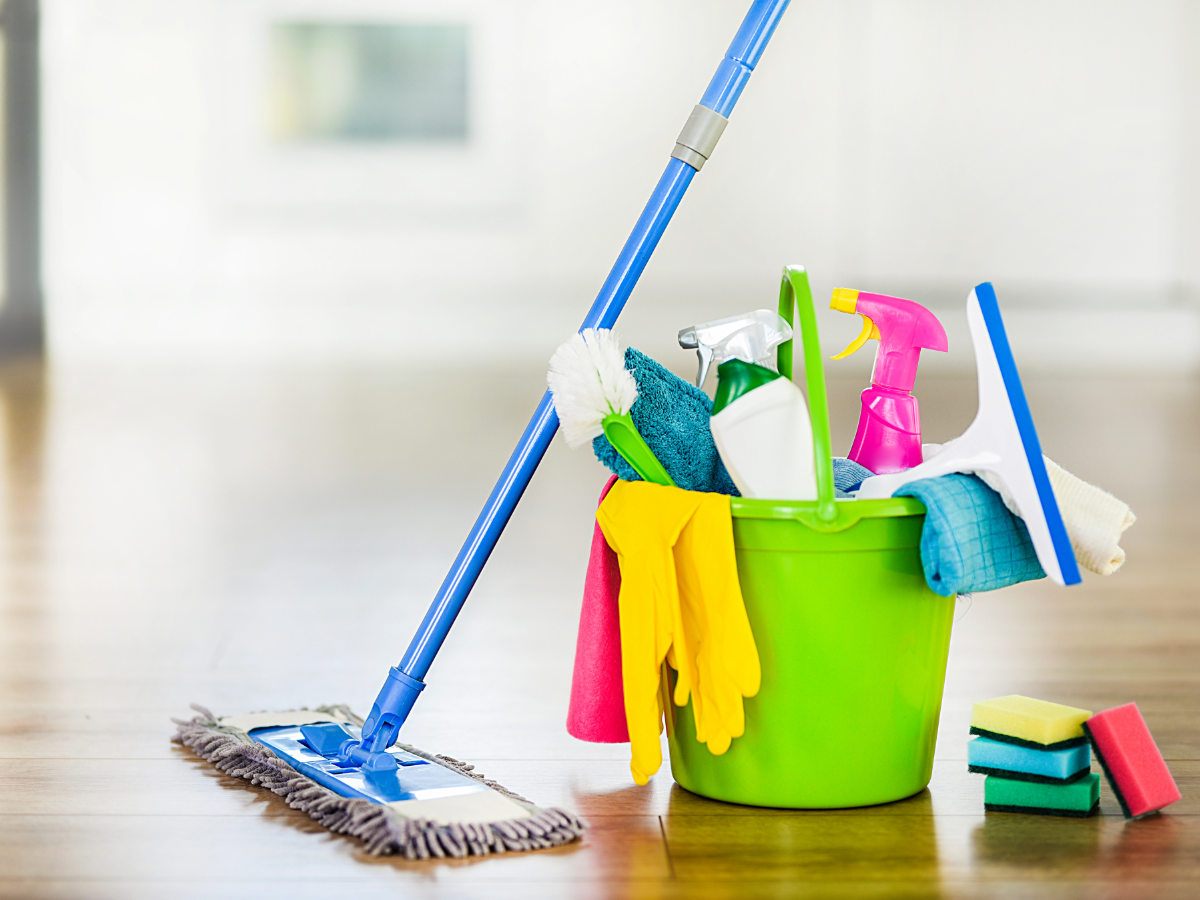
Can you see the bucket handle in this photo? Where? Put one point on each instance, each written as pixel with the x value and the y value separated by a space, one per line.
pixel 795 298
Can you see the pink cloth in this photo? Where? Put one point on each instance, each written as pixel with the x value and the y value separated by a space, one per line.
pixel 597 711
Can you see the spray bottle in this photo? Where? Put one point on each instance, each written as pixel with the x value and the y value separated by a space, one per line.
pixel 751 337
pixel 889 427
pixel 760 420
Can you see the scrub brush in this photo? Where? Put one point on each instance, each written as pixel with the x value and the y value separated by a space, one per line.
pixel 593 393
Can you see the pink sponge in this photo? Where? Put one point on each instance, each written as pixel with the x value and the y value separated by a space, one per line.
pixel 1131 761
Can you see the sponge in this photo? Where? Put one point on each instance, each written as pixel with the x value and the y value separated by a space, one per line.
pixel 989 757
pixel 1029 723
pixel 1078 799
pixel 1135 769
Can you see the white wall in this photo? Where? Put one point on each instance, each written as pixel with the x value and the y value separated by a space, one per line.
pixel 906 147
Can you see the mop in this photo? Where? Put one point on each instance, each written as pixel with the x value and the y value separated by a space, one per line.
pixel 349 774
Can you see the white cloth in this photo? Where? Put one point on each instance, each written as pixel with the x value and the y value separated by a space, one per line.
pixel 1095 519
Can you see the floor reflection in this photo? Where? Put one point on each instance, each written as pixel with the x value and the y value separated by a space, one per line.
pixel 22 610
pixel 1100 848
pixel 22 418
pixel 1024 843
pixel 715 842
pixel 1146 848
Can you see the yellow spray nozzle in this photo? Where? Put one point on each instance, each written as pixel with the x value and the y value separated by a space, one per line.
pixel 844 300
pixel 870 330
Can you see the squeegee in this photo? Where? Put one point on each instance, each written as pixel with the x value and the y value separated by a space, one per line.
pixel 1002 440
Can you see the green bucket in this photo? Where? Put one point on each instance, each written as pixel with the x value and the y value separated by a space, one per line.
pixel 852 642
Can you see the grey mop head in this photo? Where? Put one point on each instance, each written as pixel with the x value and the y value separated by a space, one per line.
pixel 382 829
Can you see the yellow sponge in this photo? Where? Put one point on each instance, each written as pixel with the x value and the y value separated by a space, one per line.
pixel 1029 723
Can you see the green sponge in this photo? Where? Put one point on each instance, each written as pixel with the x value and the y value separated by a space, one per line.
pixel 1079 799
pixel 1029 723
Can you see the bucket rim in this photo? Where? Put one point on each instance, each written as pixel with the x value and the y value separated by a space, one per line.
pixel 849 512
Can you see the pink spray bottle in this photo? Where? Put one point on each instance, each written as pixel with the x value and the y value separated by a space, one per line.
pixel 889 428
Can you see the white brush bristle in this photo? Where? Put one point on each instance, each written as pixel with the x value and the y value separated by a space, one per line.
pixel 589 381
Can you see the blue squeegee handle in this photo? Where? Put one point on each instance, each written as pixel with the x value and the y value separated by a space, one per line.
pixel 405 682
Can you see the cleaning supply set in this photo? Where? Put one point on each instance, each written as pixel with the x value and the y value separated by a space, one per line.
pixel 350 774
pixel 916 543
pixel 791 558
pixel 1037 758
pixel 787 636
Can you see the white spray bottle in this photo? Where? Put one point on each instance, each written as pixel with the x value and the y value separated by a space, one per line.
pixel 760 420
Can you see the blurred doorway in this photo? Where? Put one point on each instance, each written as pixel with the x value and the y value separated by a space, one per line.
pixel 22 323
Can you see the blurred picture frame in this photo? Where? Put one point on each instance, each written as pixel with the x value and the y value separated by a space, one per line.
pixel 356 106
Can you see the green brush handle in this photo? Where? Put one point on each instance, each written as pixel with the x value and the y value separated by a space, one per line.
pixel 625 438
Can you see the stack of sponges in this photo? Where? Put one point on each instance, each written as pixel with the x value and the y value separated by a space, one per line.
pixel 1036 757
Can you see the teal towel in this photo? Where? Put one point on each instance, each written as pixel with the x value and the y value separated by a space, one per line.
pixel 672 417
pixel 970 542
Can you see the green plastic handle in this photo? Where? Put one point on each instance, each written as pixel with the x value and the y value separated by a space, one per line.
pixel 628 441
pixel 795 295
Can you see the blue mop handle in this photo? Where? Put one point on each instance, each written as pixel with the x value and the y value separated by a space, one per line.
pixel 405 682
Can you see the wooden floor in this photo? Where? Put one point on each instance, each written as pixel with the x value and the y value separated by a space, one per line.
pixel 269 539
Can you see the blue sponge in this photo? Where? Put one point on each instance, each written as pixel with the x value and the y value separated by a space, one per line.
pixel 672 417
pixel 1026 764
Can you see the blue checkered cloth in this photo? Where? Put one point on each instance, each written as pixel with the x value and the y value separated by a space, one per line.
pixel 970 542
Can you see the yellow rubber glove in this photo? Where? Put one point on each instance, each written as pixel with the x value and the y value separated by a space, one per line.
pixel 725 666
pixel 680 601
pixel 642 522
